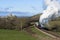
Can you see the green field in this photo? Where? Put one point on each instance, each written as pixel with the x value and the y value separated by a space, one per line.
pixel 14 35
pixel 22 35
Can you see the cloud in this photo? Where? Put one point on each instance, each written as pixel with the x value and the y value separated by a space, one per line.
pixel 6 9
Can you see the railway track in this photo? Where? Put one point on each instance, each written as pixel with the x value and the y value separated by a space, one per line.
pixel 50 33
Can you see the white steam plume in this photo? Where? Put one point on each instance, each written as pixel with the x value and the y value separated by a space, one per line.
pixel 53 6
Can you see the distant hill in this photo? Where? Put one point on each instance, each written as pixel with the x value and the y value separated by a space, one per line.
pixel 20 14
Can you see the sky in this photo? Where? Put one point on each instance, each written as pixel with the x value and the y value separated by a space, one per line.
pixel 29 6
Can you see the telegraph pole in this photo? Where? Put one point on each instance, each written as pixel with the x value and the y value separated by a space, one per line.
pixel 21 25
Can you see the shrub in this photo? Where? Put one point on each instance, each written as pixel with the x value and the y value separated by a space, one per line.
pixel 54 24
pixel 13 23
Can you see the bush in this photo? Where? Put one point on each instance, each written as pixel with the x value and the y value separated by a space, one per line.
pixel 54 24
pixel 14 23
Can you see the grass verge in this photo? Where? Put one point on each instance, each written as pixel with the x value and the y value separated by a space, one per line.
pixel 14 35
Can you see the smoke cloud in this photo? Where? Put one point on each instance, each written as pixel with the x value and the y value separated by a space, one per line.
pixel 53 8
